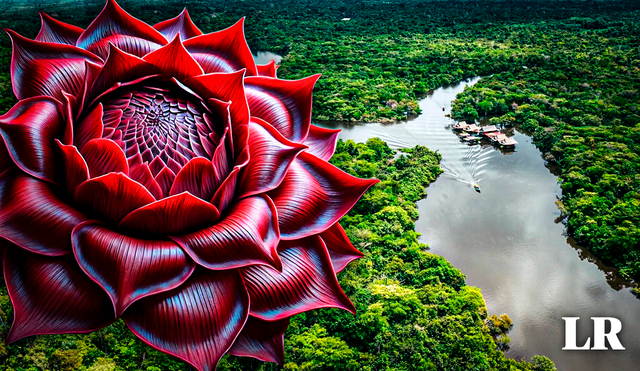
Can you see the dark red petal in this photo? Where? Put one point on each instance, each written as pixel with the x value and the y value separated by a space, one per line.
pixel 116 26
pixel 127 268
pixel 113 196
pixel 322 142
pixel 29 130
pixel 89 128
pixel 270 155
pixel 175 61
pixel 226 192
pixel 33 217
pixel 165 179
pixel 197 322
pixel 223 51
pixel 174 214
pixel 181 24
pixel 263 340
pixel 268 70
pixel 104 156
pixel 227 87
pixel 75 169
pixel 197 177
pixel 51 295
pixel 307 282
pixel 314 195
pixel 341 250
pixel 5 159
pixel 285 104
pixel 142 174
pixel 54 31
pixel 39 68
pixel 221 156
pixel 121 67
pixel 67 106
pixel 247 235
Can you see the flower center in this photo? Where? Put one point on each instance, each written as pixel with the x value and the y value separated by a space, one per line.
pixel 164 128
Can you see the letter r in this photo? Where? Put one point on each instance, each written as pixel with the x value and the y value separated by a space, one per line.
pixel 599 334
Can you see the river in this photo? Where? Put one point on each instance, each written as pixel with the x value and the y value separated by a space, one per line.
pixel 508 240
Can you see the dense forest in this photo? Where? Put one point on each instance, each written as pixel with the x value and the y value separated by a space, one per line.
pixel 568 72
pixel 582 107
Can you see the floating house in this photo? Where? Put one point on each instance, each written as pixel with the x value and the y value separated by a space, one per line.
pixel 460 126
pixel 474 133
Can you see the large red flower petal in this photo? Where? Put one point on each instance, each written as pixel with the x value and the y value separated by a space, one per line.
pixel 307 282
pixel 52 296
pixel 91 127
pixel 268 70
pixel 113 196
pixel 142 174
pixel 197 177
pixel 285 104
pixel 181 24
pixel 33 217
pixel 5 159
pixel 197 322
pixel 54 31
pixel 263 340
pixel 270 155
pixel 322 142
pixel 247 235
pixel 227 87
pixel 314 195
pixel 341 250
pixel 175 61
pixel 29 130
pixel 223 51
pixel 174 214
pixel 39 68
pixel 75 168
pixel 104 156
pixel 118 27
pixel 128 268
pixel 120 67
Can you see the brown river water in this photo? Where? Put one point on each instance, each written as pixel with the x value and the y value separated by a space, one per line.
pixel 509 240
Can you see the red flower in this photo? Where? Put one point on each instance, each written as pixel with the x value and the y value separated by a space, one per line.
pixel 157 174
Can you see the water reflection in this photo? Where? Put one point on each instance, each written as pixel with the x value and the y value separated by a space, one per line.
pixel 509 240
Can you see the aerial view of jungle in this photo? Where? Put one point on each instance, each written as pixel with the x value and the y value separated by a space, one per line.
pixel 561 77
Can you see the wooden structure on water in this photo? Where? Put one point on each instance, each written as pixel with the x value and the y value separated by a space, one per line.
pixel 473 133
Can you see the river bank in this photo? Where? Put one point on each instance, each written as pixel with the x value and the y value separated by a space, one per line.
pixel 506 240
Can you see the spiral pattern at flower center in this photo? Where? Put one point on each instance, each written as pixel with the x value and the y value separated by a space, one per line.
pixel 160 126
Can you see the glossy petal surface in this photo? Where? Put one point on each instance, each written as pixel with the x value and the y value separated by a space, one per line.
pixel 54 31
pixel 247 235
pixel 314 195
pixel 322 142
pixel 174 214
pixel 129 268
pixel 270 156
pixel 51 295
pixel 116 26
pixel 284 104
pixel 112 196
pixel 263 340
pixel 196 322
pixel 29 130
pixel 341 250
pixel 181 24
pixel 41 68
pixel 307 282
pixel 33 217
